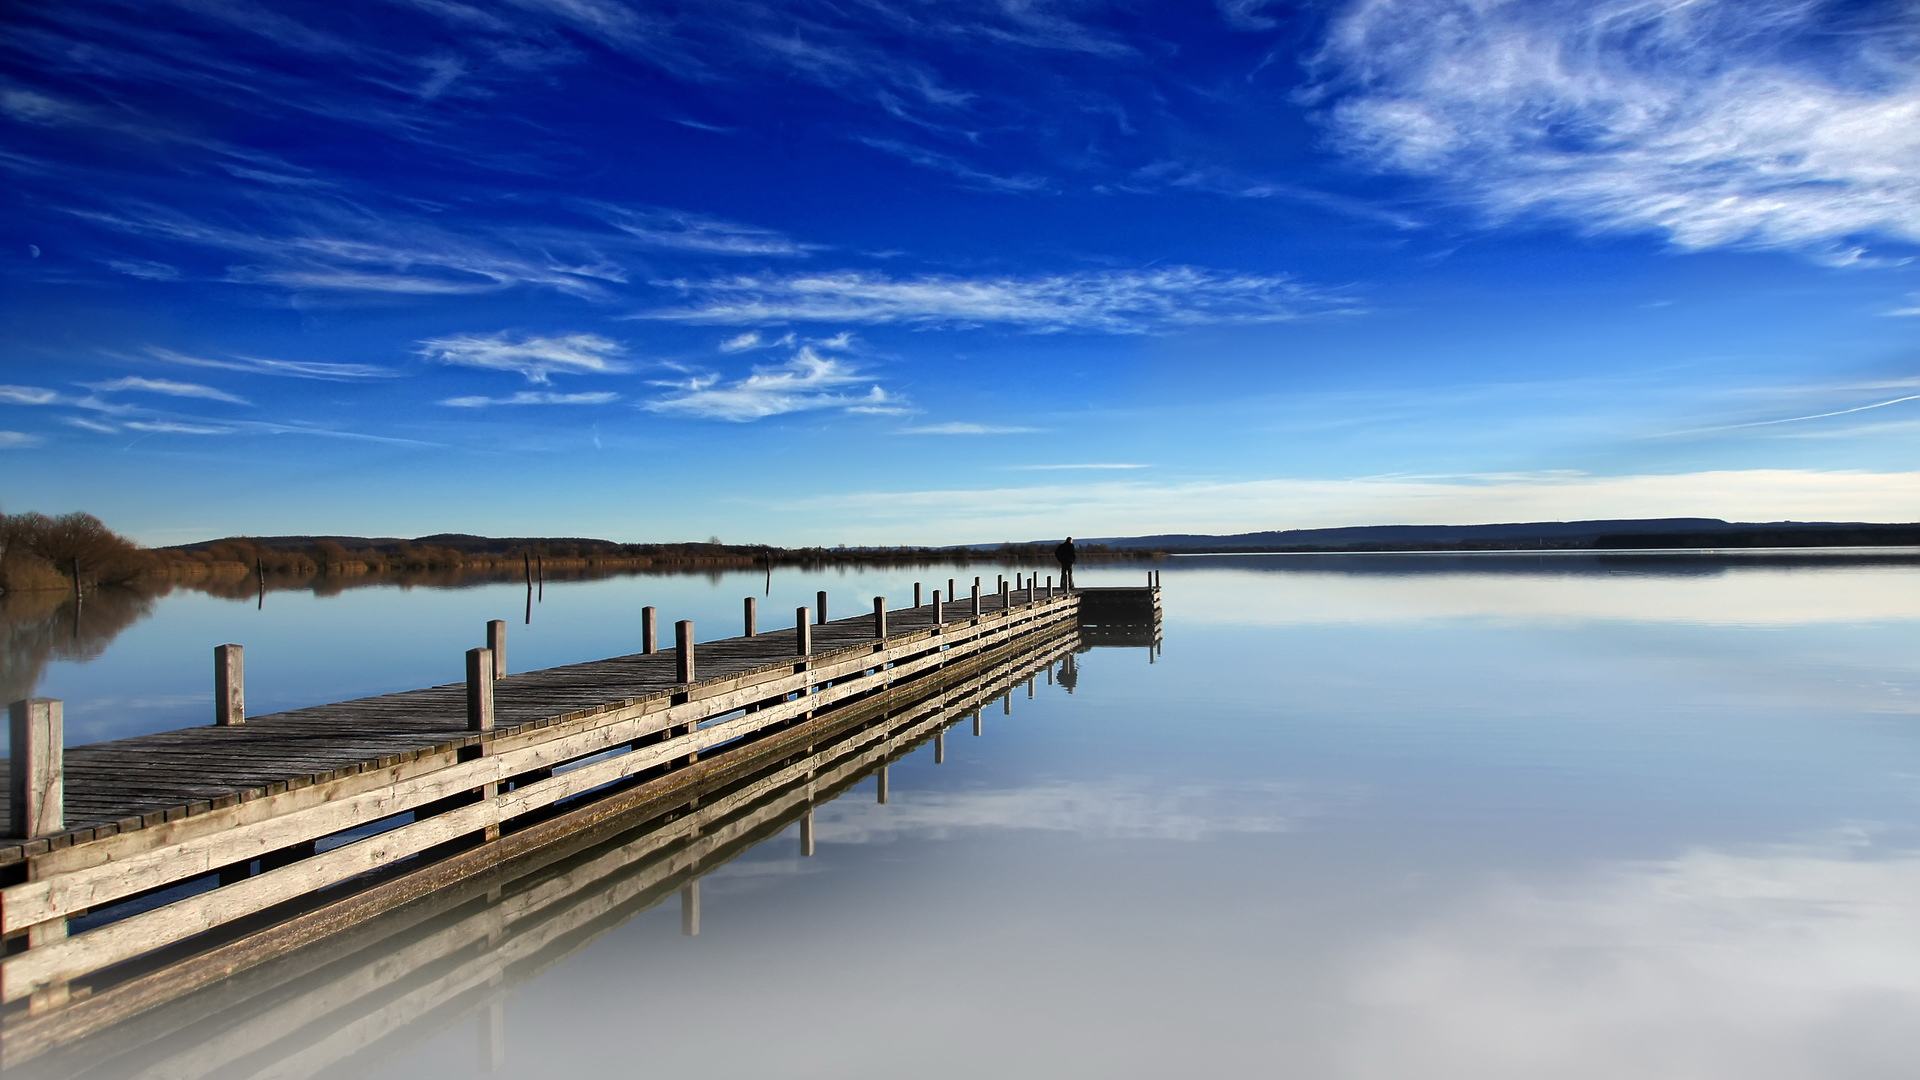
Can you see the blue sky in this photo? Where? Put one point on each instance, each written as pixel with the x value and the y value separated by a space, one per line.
pixel 912 271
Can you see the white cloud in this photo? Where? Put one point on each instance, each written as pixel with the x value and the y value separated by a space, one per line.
pixel 1761 962
pixel 538 358
pixel 1107 301
pixel 18 440
pixel 98 426
pixel 964 427
pixel 1716 123
pixel 534 397
pixel 806 383
pixel 292 369
pixel 28 395
pixel 168 387
pixel 741 342
pixel 1912 310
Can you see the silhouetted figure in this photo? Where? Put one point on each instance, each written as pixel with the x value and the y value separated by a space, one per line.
pixel 1065 553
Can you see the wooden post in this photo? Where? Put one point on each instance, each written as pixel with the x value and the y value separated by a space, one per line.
pixel 497 645
pixel 880 786
pixel 976 598
pixel 940 747
pixel 229 685
pixel 1049 586
pixel 803 632
pixel 806 831
pixel 976 723
pixel 479 690
pixel 683 651
pixel 820 600
pixel 752 616
pixel 951 591
pixel 37 791
pixel 880 617
pixel 1000 583
pixel 916 594
pixel 939 609
pixel 526 563
pixel 649 630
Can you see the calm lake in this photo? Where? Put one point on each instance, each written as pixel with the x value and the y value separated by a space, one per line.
pixel 1378 816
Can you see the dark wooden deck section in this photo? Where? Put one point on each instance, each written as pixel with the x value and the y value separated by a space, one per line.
pixel 138 782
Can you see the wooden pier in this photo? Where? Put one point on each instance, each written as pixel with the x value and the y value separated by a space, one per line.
pixel 459 950
pixel 231 844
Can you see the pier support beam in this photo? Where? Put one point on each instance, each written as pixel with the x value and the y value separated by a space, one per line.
pixel 820 601
pixel 976 598
pixel 229 685
pixel 880 618
pixel 752 616
pixel 37 727
pixel 479 690
pixel 479 719
pixel 880 786
pixel 916 594
pixel 649 630
pixel 806 832
pixel 683 670
pixel 497 645
pixel 939 608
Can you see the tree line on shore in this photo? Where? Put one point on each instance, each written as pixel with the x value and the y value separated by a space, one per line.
pixel 39 551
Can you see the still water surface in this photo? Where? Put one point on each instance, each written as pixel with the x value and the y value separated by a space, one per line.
pixel 1368 816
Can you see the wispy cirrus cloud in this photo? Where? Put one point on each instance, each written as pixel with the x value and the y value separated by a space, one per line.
pixel 1098 466
pixel 968 427
pixel 809 382
pixel 742 342
pixel 536 357
pixel 167 387
pixel 533 397
pixel 177 427
pixel 968 175
pixel 325 371
pixel 1100 301
pixel 1910 310
pixel 1786 124
pixel 19 440
pixel 99 427
pixel 679 230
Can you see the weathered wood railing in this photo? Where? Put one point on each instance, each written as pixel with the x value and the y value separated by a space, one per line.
pixel 321 836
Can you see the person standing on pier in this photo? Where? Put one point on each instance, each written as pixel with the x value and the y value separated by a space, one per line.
pixel 1065 553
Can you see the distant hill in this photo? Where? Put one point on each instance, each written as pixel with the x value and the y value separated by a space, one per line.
pixel 1609 533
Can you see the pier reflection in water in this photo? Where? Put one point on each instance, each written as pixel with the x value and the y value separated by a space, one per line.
pixel 461 952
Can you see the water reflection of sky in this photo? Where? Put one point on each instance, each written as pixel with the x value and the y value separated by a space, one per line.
pixel 1578 824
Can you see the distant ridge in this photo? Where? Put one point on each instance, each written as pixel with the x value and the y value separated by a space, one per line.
pixel 1601 533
